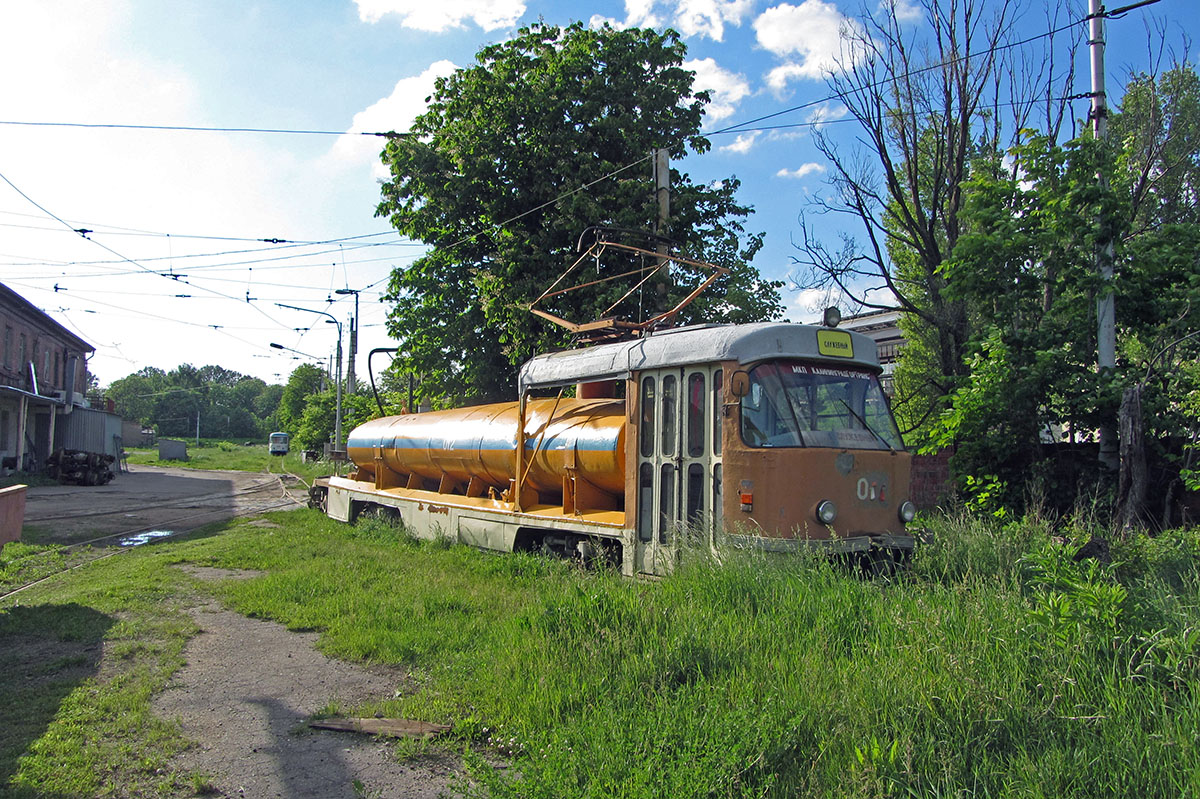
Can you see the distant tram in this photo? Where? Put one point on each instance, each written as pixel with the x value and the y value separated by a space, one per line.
pixel 770 436
pixel 277 443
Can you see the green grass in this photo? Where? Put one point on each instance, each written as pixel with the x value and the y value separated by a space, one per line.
pixel 996 667
pixel 234 457
pixel 80 657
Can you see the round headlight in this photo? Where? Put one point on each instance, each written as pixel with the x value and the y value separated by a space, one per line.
pixel 826 512
pixel 908 511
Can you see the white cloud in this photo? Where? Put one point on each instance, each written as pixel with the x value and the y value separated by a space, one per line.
pixel 79 62
pixel 808 37
pixel 708 17
pixel 394 112
pixel 638 14
pixel 727 88
pixel 827 112
pixel 810 304
pixel 741 144
pixel 691 17
pixel 441 16
pixel 803 171
pixel 904 10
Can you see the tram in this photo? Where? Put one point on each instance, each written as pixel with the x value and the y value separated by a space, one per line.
pixel 770 436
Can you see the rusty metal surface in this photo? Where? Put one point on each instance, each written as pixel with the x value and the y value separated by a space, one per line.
pixel 586 436
pixel 786 484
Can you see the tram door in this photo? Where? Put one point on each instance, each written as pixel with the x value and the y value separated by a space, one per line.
pixel 679 455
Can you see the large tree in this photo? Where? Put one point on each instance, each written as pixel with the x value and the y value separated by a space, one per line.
pixel 1027 257
pixel 545 135
pixel 229 404
pixel 933 98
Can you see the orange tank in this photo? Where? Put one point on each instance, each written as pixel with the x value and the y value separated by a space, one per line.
pixel 479 442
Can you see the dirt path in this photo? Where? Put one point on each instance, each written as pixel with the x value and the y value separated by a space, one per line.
pixel 249 686
pixel 246 693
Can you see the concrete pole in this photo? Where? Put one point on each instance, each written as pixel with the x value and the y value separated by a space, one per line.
pixel 662 191
pixel 350 375
pixel 1106 343
pixel 337 423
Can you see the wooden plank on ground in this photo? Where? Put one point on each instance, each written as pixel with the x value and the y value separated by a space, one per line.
pixel 395 728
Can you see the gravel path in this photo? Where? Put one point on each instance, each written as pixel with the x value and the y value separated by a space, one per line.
pixel 246 694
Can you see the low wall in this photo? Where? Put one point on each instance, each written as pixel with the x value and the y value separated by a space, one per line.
pixel 12 513
pixel 932 484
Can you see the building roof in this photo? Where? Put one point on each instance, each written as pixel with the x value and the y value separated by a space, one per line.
pixel 687 345
pixel 10 298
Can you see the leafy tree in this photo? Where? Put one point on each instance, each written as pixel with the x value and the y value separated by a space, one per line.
pixel 545 135
pixel 229 404
pixel 1028 261
pixel 316 424
pixel 304 381
pixel 135 396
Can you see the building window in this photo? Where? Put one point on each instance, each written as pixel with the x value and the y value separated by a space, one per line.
pixel 8 347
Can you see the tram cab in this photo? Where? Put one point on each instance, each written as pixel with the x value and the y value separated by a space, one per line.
pixel 278 443
pixel 765 436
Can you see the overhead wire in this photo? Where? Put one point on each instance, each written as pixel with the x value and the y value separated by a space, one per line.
pixel 84 234
pixel 740 127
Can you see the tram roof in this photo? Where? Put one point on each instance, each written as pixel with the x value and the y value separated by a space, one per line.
pixel 745 344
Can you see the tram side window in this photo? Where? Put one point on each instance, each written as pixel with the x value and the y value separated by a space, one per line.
pixel 695 492
pixel 717 386
pixel 666 504
pixel 668 415
pixel 718 507
pixel 645 502
pixel 695 419
pixel 646 428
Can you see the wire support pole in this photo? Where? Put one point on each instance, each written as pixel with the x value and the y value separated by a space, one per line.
pixel 1106 355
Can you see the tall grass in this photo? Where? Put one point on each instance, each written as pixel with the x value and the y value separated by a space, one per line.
pixel 997 666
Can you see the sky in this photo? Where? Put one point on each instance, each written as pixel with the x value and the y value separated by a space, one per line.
pixel 193 239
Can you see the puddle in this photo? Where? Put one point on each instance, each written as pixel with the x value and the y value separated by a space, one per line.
pixel 143 538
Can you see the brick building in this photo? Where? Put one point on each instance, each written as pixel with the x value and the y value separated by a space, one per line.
pixel 43 373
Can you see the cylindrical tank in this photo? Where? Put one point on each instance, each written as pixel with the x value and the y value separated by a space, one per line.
pixel 479 442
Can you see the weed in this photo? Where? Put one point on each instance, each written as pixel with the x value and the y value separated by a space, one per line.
pixel 202 785
pixel 1000 667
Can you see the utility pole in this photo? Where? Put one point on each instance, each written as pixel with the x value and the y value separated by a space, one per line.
pixel 662 192
pixel 350 376
pixel 1106 360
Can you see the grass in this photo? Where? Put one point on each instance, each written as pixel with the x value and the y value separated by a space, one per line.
pixel 228 456
pixel 81 657
pixel 996 667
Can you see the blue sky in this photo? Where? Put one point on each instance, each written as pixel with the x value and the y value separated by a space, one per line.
pixel 196 204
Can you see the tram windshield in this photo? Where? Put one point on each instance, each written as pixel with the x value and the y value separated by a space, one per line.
pixel 794 404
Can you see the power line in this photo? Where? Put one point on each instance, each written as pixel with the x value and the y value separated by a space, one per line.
pixel 391 134
pixel 878 84
pixel 817 123
pixel 83 233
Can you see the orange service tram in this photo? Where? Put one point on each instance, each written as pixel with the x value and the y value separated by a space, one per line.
pixel 773 436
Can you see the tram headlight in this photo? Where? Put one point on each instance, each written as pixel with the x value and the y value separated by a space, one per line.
pixel 907 512
pixel 826 512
